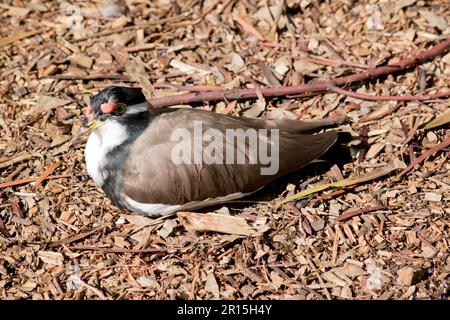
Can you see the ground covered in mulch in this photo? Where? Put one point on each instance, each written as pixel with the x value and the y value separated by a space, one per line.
pixel 384 238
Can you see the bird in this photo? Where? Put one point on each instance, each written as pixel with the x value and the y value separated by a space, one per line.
pixel 131 153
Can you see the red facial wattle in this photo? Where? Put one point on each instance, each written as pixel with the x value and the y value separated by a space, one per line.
pixel 108 107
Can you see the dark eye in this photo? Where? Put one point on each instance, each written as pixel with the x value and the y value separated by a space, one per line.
pixel 120 107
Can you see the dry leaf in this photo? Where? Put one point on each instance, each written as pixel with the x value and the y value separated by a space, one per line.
pixel 82 60
pixel 211 285
pixel 277 280
pixel 434 20
pixel 380 112
pixel 433 197
pixel 184 67
pixel 49 257
pixel 141 237
pixel 46 103
pixel 282 65
pixel 439 121
pixel 138 220
pixel 374 150
pixel 167 228
pixel 193 221
pixel 237 64
pixel 400 4
pixel 17 11
pixel 147 282
pixel 114 8
pixel 306 67
pixel 249 28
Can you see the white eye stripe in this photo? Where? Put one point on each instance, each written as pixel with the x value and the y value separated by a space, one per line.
pixel 137 108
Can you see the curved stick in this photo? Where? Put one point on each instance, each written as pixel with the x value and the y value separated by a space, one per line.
pixel 323 86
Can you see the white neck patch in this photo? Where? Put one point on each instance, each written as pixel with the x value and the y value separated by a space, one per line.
pixel 99 143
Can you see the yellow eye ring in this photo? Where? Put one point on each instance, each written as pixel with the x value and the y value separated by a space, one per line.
pixel 120 107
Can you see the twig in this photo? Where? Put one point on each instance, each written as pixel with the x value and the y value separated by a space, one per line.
pixel 319 277
pixel 248 27
pixel 364 137
pixel 334 250
pixel 423 157
pixel 324 86
pixel 16 172
pixel 28 180
pixel 3 229
pixel 388 98
pixel 356 212
pixel 123 250
pixel 98 292
pixel 110 76
pixel 274 28
pixel 19 36
pixel 412 132
pixel 18 158
pixel 334 62
pixel 52 167
pixel 197 88
pixel 134 27
pixel 106 76
pixel 75 238
pixel 406 131
pixel 330 195
pixel 16 209
pixel 142 47
pixel 296 282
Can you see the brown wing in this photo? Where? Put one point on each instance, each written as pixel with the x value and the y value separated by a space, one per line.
pixel 150 175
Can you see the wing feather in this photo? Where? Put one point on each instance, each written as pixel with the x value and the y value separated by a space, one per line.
pixel 150 175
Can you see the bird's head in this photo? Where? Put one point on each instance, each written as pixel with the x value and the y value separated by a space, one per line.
pixel 111 103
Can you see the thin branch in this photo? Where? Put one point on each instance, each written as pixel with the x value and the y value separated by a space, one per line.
pixel 28 180
pixel 109 76
pixel 371 97
pixel 46 173
pixel 356 212
pixel 317 87
pixel 330 195
pixel 3 229
pixel 133 27
pixel 124 250
pixel 102 76
pixel 76 237
pixel 423 157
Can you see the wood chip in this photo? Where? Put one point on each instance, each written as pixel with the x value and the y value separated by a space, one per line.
pixel 433 197
pixel 82 60
pixel 408 276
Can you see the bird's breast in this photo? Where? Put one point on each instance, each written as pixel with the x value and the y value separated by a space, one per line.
pixel 100 143
pixel 95 159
